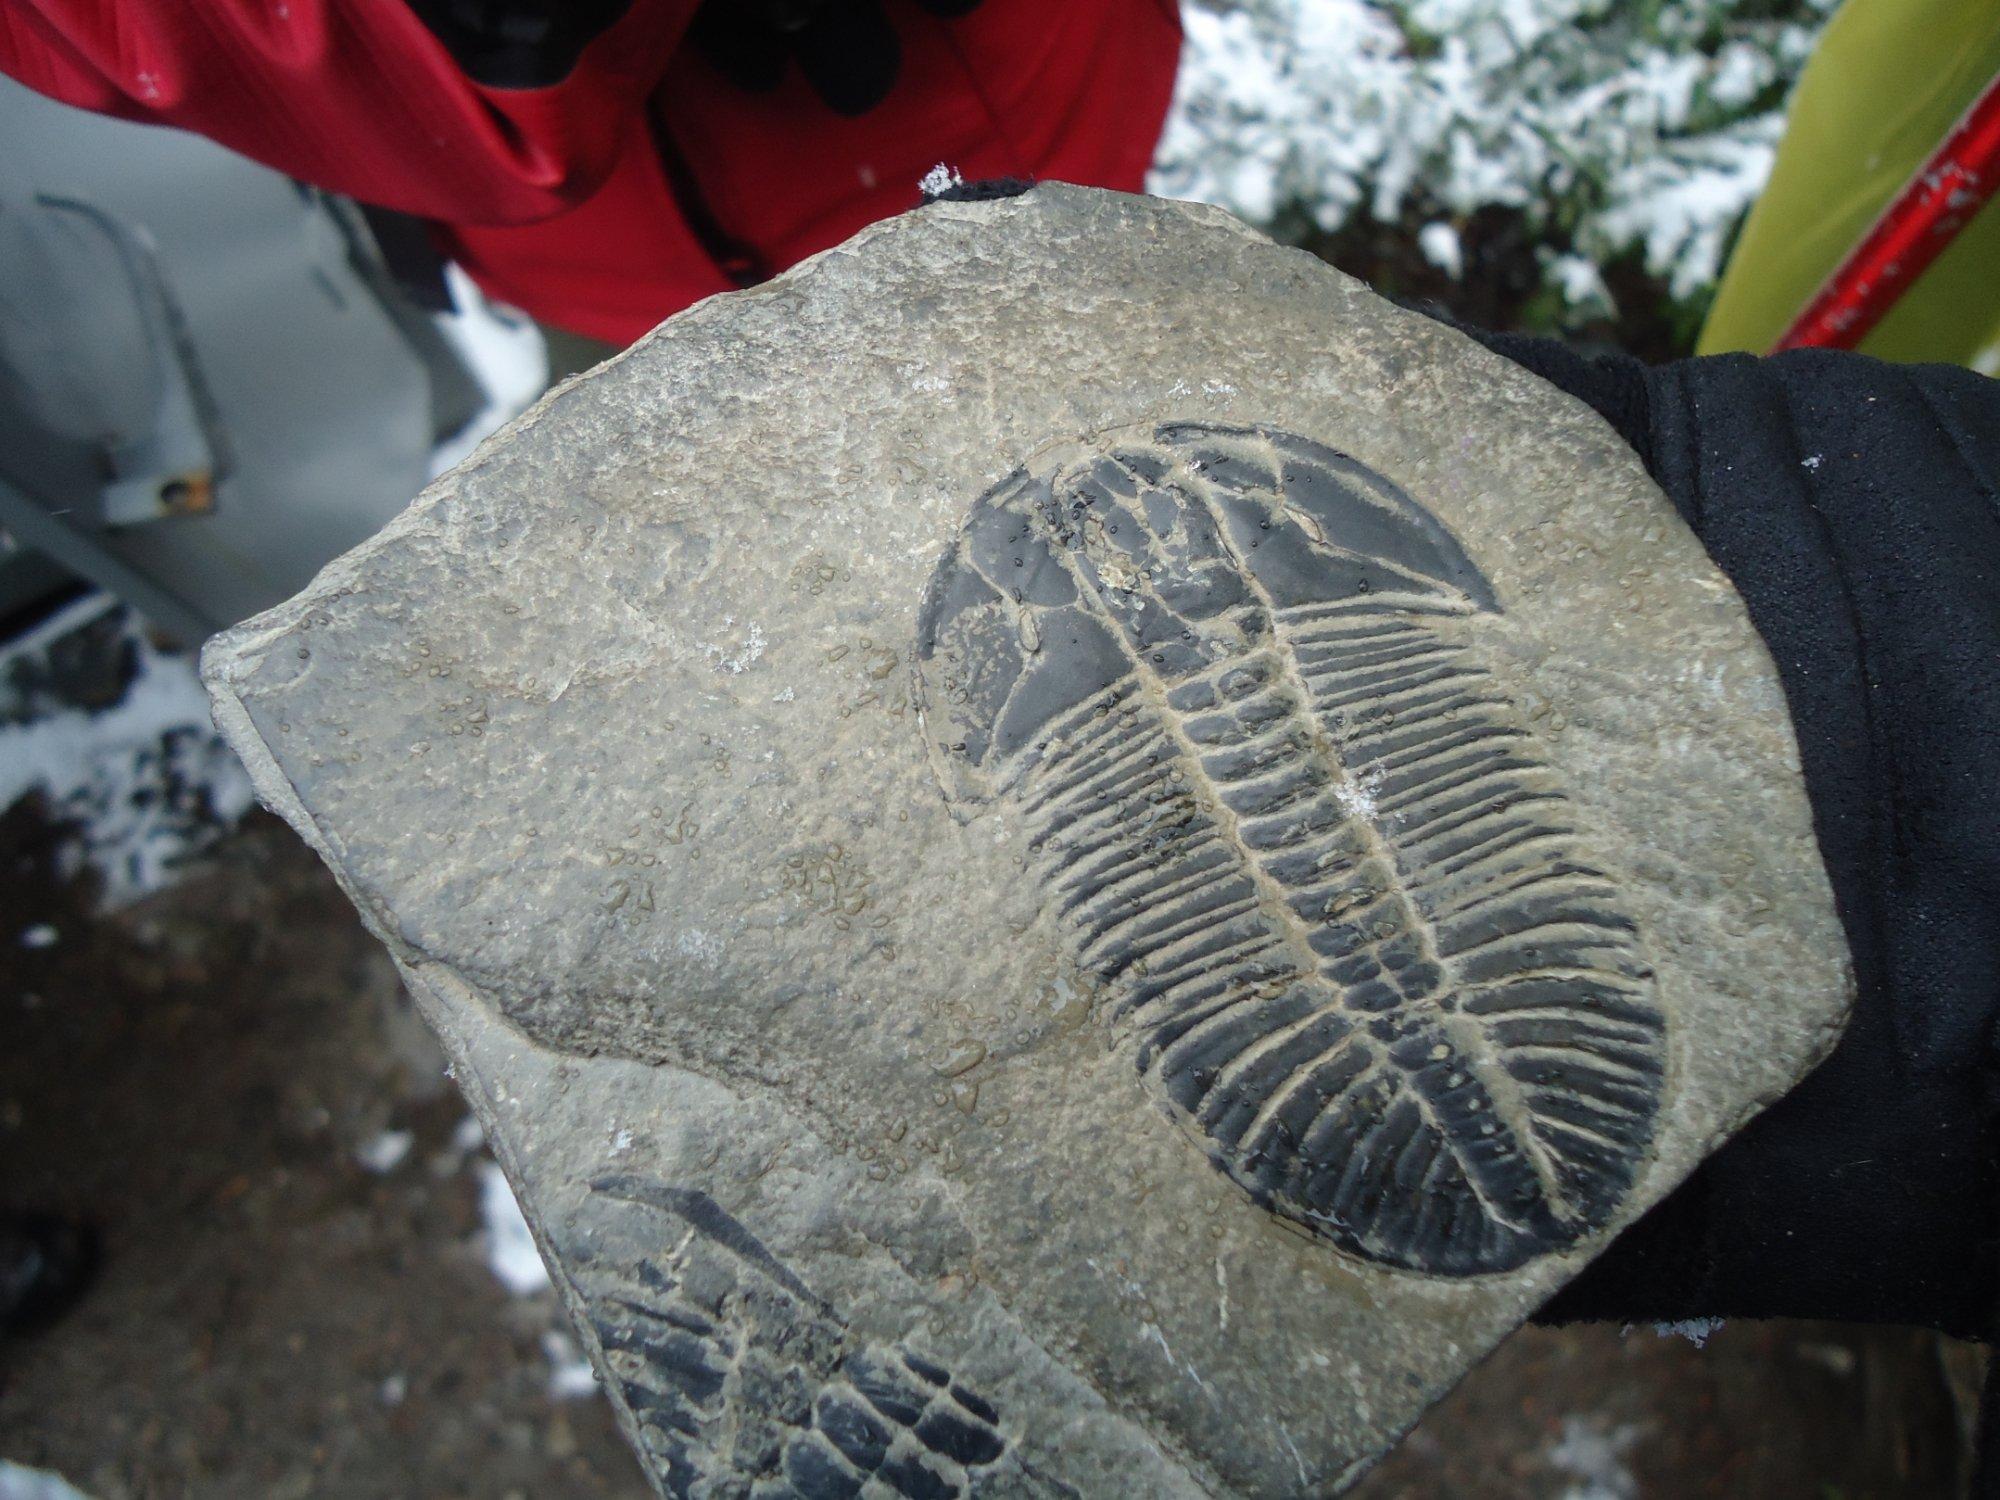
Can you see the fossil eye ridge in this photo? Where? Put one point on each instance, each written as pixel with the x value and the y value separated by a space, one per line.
pixel 1230 680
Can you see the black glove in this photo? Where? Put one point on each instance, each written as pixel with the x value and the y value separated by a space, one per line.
pixel 1854 506
pixel 45 1265
pixel 846 49
pixel 518 44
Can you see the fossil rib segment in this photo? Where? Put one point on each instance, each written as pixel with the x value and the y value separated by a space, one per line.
pixel 739 1380
pixel 1231 679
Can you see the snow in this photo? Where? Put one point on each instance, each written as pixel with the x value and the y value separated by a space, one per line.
pixel 1594 1456
pixel 1579 281
pixel 1645 131
pixel 19 1482
pixel 939 179
pixel 513 1259
pixel 385 1152
pixel 511 1254
pixel 1697 1331
pixel 147 781
pixel 506 354
pixel 570 1375
pixel 1682 203
pixel 510 1246
pixel 1442 248
pixel 1356 795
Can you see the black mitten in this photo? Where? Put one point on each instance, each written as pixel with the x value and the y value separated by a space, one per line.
pixel 518 44
pixel 1854 505
pixel 846 49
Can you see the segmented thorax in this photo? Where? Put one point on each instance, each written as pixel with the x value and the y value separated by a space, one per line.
pixel 1231 680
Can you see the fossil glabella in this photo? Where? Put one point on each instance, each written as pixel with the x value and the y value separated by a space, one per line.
pixel 1064 854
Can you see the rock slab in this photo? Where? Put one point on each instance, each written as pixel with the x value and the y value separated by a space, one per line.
pixel 1065 855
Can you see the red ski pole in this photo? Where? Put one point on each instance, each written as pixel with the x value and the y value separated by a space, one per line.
pixel 1911 232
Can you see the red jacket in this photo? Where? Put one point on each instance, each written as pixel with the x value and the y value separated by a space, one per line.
pixel 557 199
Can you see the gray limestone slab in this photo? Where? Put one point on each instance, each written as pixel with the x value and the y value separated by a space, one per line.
pixel 1066 855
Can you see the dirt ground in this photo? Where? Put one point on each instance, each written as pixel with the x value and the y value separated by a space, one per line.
pixel 273 1318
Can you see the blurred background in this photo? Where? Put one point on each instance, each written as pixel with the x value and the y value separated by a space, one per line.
pixel 215 377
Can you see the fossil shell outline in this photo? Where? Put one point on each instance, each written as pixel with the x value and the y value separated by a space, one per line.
pixel 1230 680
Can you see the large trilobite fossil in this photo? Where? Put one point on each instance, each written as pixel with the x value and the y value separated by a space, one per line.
pixel 1231 680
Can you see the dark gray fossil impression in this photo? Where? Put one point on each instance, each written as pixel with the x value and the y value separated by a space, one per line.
pixel 741 1380
pixel 1231 681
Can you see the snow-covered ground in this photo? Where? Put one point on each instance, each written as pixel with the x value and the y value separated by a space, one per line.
pixel 1626 125
pixel 142 783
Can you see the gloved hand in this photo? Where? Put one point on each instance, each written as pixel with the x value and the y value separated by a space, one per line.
pixel 518 44
pixel 1854 505
pixel 846 49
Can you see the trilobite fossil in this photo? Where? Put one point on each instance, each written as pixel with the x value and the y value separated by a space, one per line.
pixel 1231 681
pixel 742 1381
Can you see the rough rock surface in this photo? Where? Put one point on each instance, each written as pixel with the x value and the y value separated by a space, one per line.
pixel 1064 854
